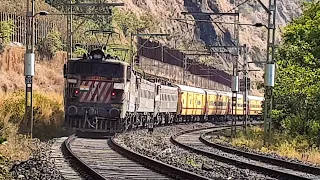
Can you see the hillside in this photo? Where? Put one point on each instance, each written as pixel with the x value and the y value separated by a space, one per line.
pixel 48 77
pixel 188 37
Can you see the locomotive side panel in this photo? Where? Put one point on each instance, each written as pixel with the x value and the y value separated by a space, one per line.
pixel 168 99
pixel 131 93
pixel 146 94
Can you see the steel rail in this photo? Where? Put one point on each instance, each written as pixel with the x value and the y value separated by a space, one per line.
pixel 266 170
pixel 78 162
pixel 262 158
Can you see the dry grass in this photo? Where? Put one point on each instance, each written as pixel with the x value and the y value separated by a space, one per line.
pixel 48 112
pixel 281 145
pixel 17 146
pixel 48 116
pixel 48 77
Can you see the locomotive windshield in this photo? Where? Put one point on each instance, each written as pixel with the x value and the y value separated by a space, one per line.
pixel 96 69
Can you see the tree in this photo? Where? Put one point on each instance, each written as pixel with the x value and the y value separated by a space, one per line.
pixel 297 88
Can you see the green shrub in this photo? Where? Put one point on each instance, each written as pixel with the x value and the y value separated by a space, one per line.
pixel 6 31
pixel 79 52
pixel 48 46
pixel 48 113
pixel 128 22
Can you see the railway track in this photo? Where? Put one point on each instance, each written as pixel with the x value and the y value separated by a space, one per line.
pixel 258 157
pixel 106 159
pixel 192 140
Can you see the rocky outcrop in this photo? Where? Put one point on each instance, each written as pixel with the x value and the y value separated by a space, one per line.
pixel 197 35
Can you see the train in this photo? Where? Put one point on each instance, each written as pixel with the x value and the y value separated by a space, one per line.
pixel 104 94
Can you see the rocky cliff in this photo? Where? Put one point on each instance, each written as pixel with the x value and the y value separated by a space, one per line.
pixel 195 35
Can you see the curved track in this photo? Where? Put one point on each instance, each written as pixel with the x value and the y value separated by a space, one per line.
pixel 106 159
pixel 190 140
pixel 262 158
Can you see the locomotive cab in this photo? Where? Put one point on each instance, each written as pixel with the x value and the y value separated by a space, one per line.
pixel 94 92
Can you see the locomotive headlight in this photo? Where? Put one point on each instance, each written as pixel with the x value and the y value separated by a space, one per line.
pixel 72 110
pixel 114 113
pixel 97 56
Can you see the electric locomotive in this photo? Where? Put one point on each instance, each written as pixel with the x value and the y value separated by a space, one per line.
pixel 94 92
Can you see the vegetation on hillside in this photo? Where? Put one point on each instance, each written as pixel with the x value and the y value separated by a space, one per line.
pixel 6 31
pixel 297 88
pixel 48 112
pixel 51 44
pixel 48 119
pixel 121 22
pixel 291 147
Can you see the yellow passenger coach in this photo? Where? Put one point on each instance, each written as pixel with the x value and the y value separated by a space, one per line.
pixel 192 101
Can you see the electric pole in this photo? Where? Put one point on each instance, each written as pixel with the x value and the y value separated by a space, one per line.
pixel 245 94
pixel 235 78
pixel 70 31
pixel 269 69
pixel 29 64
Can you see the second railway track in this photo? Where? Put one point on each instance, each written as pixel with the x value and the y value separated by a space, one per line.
pixel 191 140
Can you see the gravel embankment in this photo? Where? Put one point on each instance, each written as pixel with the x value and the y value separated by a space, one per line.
pixel 213 138
pixel 39 166
pixel 158 146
